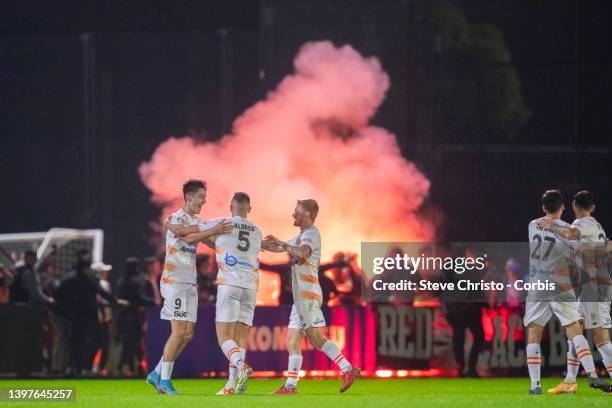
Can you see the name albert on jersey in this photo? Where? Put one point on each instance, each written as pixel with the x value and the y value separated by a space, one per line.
pixel 180 263
pixel 237 254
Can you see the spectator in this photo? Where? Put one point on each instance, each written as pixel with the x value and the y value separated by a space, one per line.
pixel 466 313
pixel 347 280
pixel 77 301
pixel 6 280
pixel 153 267
pixel 391 275
pixel 207 274
pixel 27 287
pixel 59 339
pixel 284 272
pixel 105 318
pixel 130 320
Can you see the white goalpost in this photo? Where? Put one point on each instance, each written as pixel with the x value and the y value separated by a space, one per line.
pixel 58 246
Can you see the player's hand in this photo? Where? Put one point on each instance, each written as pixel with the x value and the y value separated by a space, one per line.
pixel 546 223
pixel 224 227
pixel 123 302
pixel 271 239
pixel 50 300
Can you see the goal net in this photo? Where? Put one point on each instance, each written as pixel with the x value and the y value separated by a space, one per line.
pixel 58 247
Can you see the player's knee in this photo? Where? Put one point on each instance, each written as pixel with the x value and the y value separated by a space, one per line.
pixel 316 339
pixel 187 336
pixel 601 337
pixel 573 330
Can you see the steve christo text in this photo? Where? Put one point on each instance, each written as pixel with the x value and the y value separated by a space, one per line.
pixel 461 285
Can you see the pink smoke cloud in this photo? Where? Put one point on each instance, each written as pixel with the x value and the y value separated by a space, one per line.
pixel 309 138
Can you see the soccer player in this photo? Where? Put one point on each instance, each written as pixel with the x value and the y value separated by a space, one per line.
pixel 306 315
pixel 595 314
pixel 178 281
pixel 547 261
pixel 238 277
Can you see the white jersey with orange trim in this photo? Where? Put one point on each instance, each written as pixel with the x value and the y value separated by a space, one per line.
pixel 548 262
pixel 305 271
pixel 591 231
pixel 237 254
pixel 179 266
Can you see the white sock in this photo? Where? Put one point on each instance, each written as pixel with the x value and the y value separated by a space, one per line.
pixel 293 369
pixel 233 371
pixel 333 353
pixel 583 351
pixel 166 370
pixel 573 364
pixel 534 361
pixel 606 354
pixel 232 352
pixel 158 367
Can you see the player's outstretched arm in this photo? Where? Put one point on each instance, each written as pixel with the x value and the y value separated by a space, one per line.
pixel 181 230
pixel 569 233
pixel 269 246
pixel 223 227
pixel 302 251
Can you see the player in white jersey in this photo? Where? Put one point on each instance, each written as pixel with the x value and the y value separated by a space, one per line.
pixel 178 281
pixel 238 277
pixel 306 315
pixel 548 262
pixel 594 309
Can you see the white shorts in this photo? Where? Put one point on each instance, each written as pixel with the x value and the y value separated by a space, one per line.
pixel 305 315
pixel 180 301
pixel 596 314
pixel 235 304
pixel 540 312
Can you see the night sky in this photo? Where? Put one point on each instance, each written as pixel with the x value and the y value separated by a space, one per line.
pixel 73 132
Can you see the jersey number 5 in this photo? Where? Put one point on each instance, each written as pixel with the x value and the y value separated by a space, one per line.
pixel 245 244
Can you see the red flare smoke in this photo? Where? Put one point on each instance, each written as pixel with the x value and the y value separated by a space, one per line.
pixel 309 138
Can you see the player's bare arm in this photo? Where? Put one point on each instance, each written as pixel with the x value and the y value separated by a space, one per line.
pixel 302 251
pixel 181 230
pixel 569 233
pixel 224 227
pixel 269 246
pixel 210 241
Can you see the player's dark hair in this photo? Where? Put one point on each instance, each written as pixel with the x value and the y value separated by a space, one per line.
pixel 241 198
pixel 584 200
pixel 552 200
pixel 192 185
pixel 311 206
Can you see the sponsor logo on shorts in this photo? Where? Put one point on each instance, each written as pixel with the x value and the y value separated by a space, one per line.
pixel 180 314
pixel 317 321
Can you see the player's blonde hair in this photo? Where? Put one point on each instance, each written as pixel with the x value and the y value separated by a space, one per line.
pixel 311 206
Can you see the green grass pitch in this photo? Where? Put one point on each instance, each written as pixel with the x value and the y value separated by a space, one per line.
pixel 387 393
